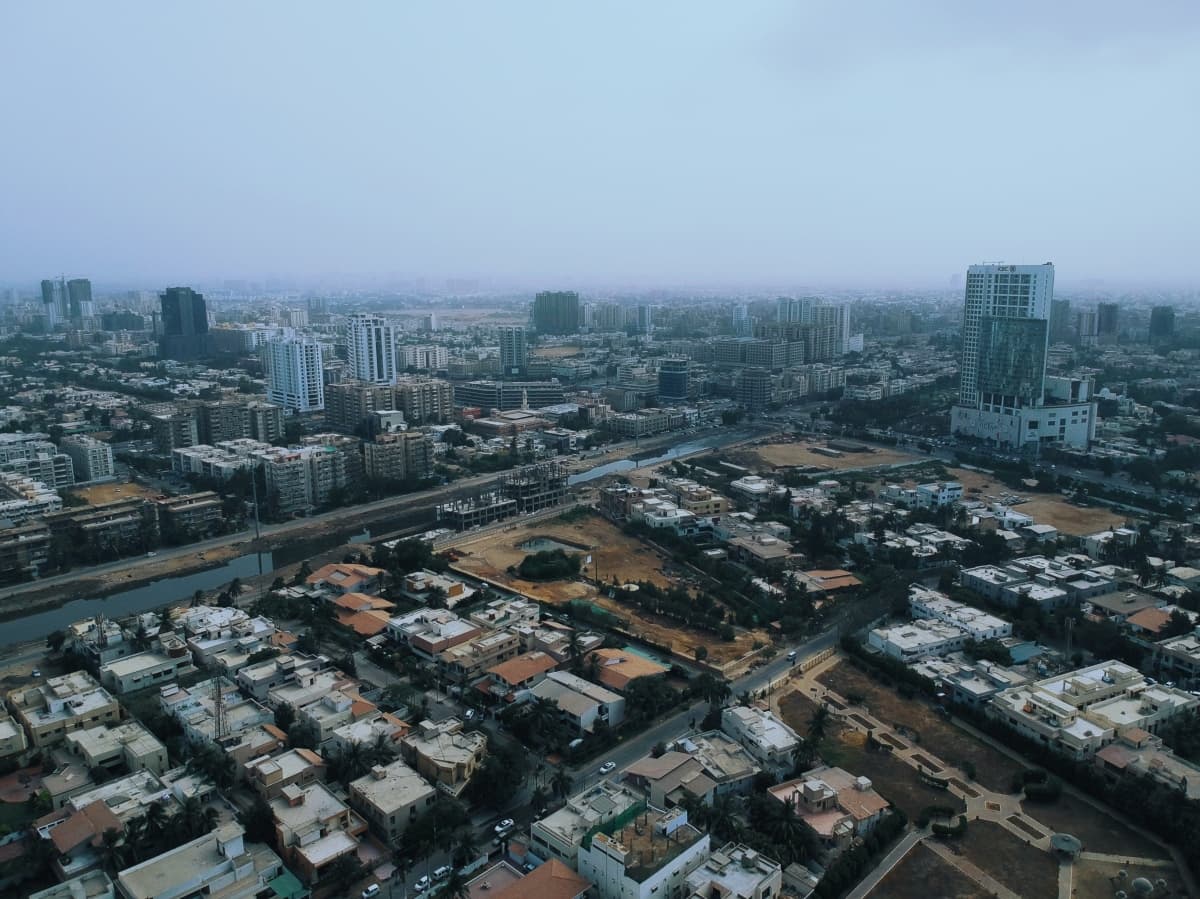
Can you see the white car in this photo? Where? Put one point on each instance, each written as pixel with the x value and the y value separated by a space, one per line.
pixel 607 767
pixel 422 885
pixel 442 873
pixel 504 825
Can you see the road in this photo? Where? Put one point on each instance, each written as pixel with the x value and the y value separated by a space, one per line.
pixel 337 519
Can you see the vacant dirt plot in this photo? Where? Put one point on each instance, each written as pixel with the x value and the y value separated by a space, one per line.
pixel 1100 880
pixel 846 748
pixel 799 452
pixel 1045 508
pixel 1097 830
pixel 556 352
pixel 942 738
pixel 613 553
pixel 617 555
pixel 922 874
pixel 1026 870
pixel 95 494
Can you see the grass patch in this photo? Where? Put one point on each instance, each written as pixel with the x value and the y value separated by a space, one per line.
pixel 922 873
pixel 1024 869
pixel 1097 830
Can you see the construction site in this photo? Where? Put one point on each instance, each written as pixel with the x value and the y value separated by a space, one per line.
pixel 531 488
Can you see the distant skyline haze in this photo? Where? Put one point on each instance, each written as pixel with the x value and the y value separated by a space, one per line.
pixel 554 144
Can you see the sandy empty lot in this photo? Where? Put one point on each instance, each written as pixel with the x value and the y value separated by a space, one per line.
pixel 555 352
pixel 799 452
pixel 1045 508
pixel 618 555
pixel 95 494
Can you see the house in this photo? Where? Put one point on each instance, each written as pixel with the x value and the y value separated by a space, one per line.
pixel 391 797
pixel 374 728
pixel 769 741
pixel 831 580
pixel 703 766
pixel 424 585
pixel 924 603
pixel 834 804
pixel 561 833
pixel 217 864
pixel 467 662
pixel 345 577
pixel 76 833
pixel 92 885
pixel 313 828
pixel 917 639
pixel 61 705
pixel 1080 712
pixel 365 615
pixel 507 613
pixel 428 632
pixel 268 775
pixel 444 753
pixel 617 668
pixel 12 736
pixel 1140 753
pixel 334 709
pixel 146 669
pixel 580 701
pixel 127 746
pixel 938 495
pixel 512 680
pixel 735 871
pixel 650 856
pixel 552 880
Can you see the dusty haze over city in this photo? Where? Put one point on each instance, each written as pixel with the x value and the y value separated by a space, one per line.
pixel 624 143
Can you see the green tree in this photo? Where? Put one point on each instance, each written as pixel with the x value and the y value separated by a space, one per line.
pixel 55 640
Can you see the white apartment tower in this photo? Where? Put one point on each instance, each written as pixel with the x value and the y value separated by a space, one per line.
pixel 513 355
pixel 371 346
pixel 294 373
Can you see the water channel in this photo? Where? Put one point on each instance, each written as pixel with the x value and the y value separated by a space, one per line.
pixel 180 589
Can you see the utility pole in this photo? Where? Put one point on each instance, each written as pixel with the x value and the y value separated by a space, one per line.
pixel 257 530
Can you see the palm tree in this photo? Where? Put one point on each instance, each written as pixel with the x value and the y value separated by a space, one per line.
pixel 722 818
pixel 560 783
pixel 382 751
pixel 467 848
pixel 352 763
pixel 817 724
pixel 455 886
pixel 111 854
pixel 712 689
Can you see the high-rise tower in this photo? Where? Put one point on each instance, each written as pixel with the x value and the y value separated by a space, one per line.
pixel 294 373
pixel 184 324
pixel 371 345
pixel 513 356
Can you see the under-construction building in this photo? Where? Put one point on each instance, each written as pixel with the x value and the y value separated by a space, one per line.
pixel 527 489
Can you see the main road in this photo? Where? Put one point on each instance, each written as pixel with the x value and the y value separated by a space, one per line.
pixel 344 519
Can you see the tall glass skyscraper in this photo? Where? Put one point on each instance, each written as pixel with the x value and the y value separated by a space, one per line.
pixel 371 349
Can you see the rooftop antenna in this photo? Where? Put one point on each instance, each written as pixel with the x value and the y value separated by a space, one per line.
pixel 220 725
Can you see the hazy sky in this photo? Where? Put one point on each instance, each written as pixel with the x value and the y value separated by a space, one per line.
pixel 662 143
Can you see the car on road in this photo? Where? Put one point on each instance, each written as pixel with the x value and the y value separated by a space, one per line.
pixel 36 672
pixel 441 873
pixel 792 656
pixel 608 767
pixel 371 891
pixel 469 714
pixel 504 825
pixel 422 885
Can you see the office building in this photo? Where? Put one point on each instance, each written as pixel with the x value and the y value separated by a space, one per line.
pixel 557 312
pixel 754 389
pixel 81 308
pixel 645 320
pixel 183 324
pixel 294 368
pixel 92 459
pixel 794 311
pixel 507 395
pixel 513 356
pixel 1060 321
pixel 1162 324
pixel 1108 322
pixel 1004 397
pixel 55 304
pixel 1087 327
pixel 673 379
pixel 743 325
pixel 371 349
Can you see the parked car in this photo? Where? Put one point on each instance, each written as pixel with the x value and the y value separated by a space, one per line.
pixel 422 885
pixel 441 873
pixel 371 892
pixel 607 767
